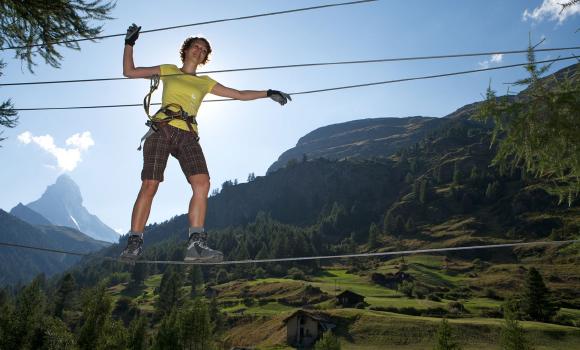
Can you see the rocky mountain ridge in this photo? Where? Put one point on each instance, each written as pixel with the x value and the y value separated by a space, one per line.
pixel 359 139
pixel 62 204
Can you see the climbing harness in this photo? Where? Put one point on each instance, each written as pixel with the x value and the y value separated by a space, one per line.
pixel 171 111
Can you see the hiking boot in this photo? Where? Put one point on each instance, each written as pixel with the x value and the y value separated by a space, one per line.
pixel 197 250
pixel 134 248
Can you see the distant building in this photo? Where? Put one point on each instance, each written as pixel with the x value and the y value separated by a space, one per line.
pixel 349 299
pixel 305 328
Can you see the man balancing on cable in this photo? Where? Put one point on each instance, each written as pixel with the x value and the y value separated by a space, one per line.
pixel 173 130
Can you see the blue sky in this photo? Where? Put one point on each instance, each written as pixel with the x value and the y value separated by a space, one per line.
pixel 97 148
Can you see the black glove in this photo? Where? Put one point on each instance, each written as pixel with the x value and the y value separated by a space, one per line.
pixel 132 34
pixel 279 96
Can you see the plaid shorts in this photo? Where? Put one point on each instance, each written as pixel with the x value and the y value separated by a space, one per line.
pixel 181 144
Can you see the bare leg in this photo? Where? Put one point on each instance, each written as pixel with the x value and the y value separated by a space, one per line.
pixel 198 204
pixel 197 248
pixel 142 206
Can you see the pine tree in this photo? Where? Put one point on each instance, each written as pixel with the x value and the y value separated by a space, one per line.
pixel 374 234
pixel 425 191
pixel 27 317
pixel 328 342
pixel 512 334
pixel 96 322
pixel 217 317
pixel 445 337
pixel 456 173
pixel 399 229
pixel 539 132
pixel 44 23
pixel 138 334
pixel 170 293
pixel 168 335
pixel 195 327
pixel 139 274
pixel 537 302
pixel 195 279
pixel 437 175
pixel 115 336
pixel 474 173
pixel 6 322
pixel 55 335
pixel 492 190
pixel 410 225
pixel 64 294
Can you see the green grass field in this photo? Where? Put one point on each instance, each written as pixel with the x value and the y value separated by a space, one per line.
pixel 268 301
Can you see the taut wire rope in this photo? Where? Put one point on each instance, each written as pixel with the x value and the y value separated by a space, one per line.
pixel 313 91
pixel 301 65
pixel 321 257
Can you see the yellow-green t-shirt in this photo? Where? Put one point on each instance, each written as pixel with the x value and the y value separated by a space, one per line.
pixel 185 90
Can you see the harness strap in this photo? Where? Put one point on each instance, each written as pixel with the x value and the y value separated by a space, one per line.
pixel 153 85
pixel 154 124
pixel 153 128
pixel 178 114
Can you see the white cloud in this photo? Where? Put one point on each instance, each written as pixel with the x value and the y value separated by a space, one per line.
pixel 67 158
pixel 551 10
pixel 25 137
pixel 82 141
pixel 497 58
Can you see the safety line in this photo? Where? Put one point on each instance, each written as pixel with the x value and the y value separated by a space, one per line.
pixel 310 91
pixel 425 77
pixel 360 255
pixel 15 245
pixel 301 65
pixel 322 257
pixel 193 24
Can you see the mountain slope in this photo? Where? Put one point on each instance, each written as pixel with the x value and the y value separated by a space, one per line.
pixel 24 213
pixel 21 265
pixel 362 139
pixel 62 202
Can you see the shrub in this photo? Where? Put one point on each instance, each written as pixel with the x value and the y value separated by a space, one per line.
pixel 409 311
pixel 445 337
pixel 328 342
pixel 433 297
pixel 420 292
pixel 118 277
pixel 492 294
pixel 406 288
pixel 565 320
pixel 456 307
pixel 259 272
pixel 222 276
pixel 384 309
pixel 435 311
pixel 296 274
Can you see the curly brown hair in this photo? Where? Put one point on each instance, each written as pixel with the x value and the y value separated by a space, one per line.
pixel 187 44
